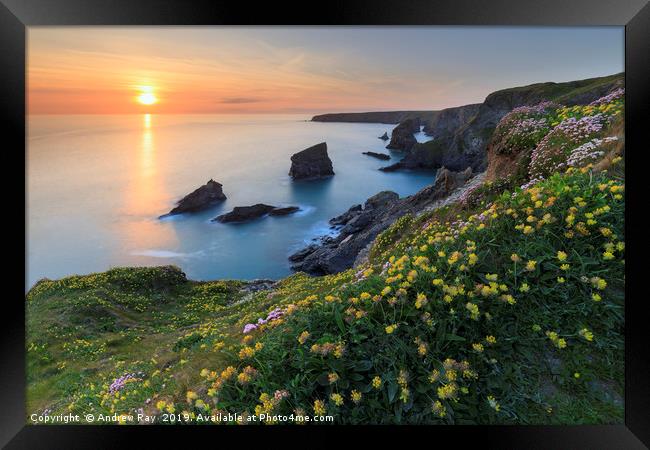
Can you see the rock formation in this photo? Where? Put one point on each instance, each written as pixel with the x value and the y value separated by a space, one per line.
pixel 284 211
pixel 360 225
pixel 384 137
pixel 402 137
pixel 247 213
pixel 311 163
pixel 207 195
pixel 460 135
pixel 383 156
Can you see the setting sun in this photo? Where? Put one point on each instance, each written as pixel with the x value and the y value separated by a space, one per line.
pixel 147 98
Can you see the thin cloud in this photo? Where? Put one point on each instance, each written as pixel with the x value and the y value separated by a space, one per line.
pixel 240 100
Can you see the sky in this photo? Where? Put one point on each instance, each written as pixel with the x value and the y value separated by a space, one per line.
pixel 195 70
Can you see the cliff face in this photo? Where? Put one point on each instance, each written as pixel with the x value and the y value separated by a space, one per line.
pixel 460 135
pixel 447 121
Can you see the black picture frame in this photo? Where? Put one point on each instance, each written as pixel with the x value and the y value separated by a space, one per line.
pixel 16 15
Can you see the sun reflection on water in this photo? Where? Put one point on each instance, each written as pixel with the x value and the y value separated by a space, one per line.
pixel 146 197
pixel 147 153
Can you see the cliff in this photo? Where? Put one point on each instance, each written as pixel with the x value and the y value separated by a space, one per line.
pixel 388 117
pixel 461 136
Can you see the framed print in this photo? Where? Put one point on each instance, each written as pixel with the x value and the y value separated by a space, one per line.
pixel 405 216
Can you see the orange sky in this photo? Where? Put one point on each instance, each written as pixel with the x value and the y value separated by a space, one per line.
pixel 100 70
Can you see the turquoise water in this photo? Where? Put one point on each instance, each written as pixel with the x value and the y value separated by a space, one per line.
pixel 97 184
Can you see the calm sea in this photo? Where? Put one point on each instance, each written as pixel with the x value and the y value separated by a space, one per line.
pixel 97 184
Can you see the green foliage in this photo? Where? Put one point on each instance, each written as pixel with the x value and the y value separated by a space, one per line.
pixel 482 316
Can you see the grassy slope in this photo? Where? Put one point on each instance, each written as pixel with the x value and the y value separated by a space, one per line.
pixel 128 320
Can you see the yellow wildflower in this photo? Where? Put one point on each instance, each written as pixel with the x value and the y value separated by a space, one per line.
pixel 585 333
pixel 303 337
pixel 319 407
pixel 493 403
pixel 439 409
pixel 337 399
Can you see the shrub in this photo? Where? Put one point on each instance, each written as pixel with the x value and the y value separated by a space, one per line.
pixel 523 127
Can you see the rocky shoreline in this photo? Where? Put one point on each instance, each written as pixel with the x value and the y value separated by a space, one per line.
pixel 361 224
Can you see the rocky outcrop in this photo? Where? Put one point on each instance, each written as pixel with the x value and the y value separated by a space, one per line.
pixel 402 137
pixel 346 216
pixel 284 211
pixel 204 197
pixel 384 137
pixel 311 163
pixel 257 285
pixel 247 213
pixel 503 165
pixel 360 225
pixel 382 156
pixel 457 144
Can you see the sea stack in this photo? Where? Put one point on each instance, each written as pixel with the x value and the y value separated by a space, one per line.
pixel 311 163
pixel 402 137
pixel 207 195
pixel 384 137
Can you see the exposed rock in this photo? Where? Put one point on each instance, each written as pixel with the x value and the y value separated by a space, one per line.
pixel 207 195
pixel 258 285
pixel 346 216
pixel 402 137
pixel 311 163
pixel 383 156
pixel 302 253
pixel 449 120
pixel 361 225
pixel 384 137
pixel 504 165
pixel 380 199
pixel 247 213
pixel 284 211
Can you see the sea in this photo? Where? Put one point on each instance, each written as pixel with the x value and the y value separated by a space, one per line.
pixel 97 184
